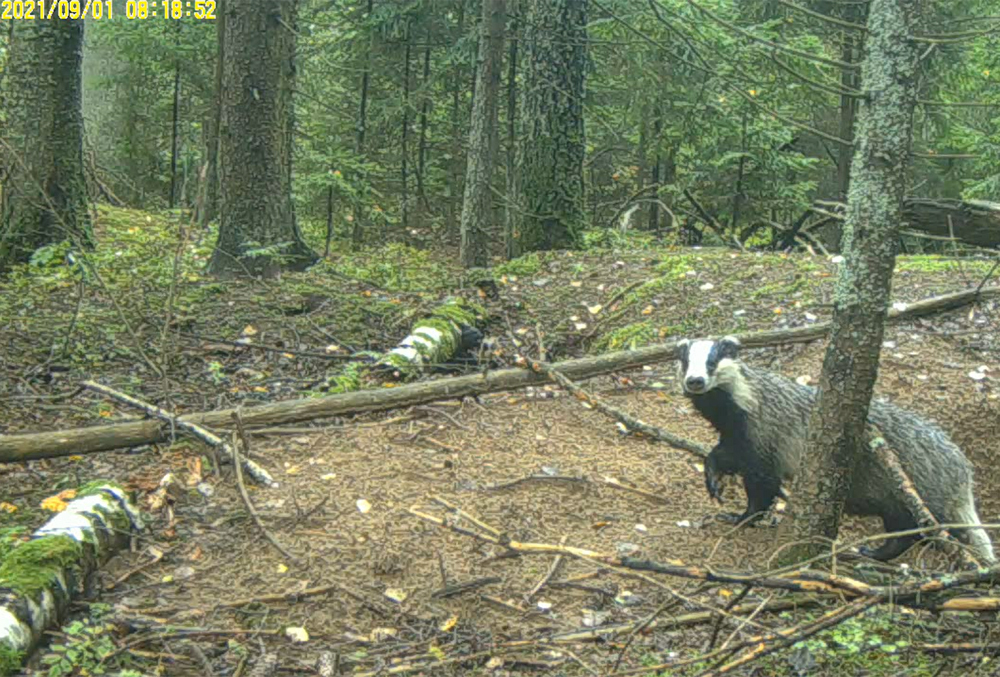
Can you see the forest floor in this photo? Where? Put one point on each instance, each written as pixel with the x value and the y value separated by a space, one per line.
pixel 346 484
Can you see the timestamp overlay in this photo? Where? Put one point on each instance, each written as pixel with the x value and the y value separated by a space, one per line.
pixel 33 10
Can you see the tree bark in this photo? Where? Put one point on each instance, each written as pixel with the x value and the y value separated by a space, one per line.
pixel 874 214
pixel 258 234
pixel 551 156
pixel 44 190
pixel 512 212
pixel 477 206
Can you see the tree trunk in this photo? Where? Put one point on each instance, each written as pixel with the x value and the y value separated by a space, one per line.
pixel 512 214
pixel 422 142
pixel 210 193
pixel 175 136
pixel 861 300
pixel 258 235
pixel 654 207
pixel 44 189
pixel 404 170
pixel 551 157
pixel 477 207
pixel 850 52
pixel 357 232
pixel 456 126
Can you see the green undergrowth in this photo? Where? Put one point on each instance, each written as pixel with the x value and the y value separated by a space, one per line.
pixel 875 644
pixel 929 263
pixel 149 267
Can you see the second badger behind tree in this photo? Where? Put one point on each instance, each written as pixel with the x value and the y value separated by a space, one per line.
pixel 762 421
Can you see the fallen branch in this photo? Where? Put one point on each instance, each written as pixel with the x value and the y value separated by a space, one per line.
pixel 923 594
pixel 253 469
pixel 243 489
pixel 32 446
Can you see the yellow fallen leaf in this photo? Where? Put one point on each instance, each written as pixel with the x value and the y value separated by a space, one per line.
pixel 8 507
pixel 576 283
pixel 329 476
pixel 249 330
pixel 282 568
pixel 647 310
pixel 595 309
pixel 288 355
pixel 259 389
pixel 76 458
pixel 396 595
pixel 449 624
pixel 297 635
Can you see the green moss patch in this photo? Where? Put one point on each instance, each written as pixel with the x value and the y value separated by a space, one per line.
pixel 33 567
pixel 10 661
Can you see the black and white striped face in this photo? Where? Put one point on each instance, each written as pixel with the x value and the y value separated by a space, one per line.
pixel 703 362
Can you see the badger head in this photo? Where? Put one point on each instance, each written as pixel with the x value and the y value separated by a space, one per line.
pixel 704 365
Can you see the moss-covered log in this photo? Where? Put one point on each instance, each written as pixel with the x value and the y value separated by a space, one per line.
pixel 39 578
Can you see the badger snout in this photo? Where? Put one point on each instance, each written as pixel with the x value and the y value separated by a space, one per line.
pixel 694 384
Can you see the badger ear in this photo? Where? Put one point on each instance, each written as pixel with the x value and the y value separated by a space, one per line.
pixel 730 346
pixel 682 348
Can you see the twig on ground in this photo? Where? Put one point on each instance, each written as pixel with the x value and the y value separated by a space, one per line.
pixel 253 469
pixel 243 489
pixel 548 574
pixel 468 586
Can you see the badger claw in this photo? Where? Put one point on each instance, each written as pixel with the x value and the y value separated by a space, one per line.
pixel 713 485
pixel 729 517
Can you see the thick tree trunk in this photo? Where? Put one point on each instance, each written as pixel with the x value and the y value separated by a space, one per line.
pixel 552 152
pixel 512 213
pixel 871 229
pixel 477 207
pixel 258 235
pixel 44 190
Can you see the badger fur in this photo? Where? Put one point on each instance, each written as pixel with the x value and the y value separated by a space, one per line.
pixel 762 420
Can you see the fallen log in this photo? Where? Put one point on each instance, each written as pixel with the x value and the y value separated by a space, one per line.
pixel 40 578
pixel 31 446
pixel 974 221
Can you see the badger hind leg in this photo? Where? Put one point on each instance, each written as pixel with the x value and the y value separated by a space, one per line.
pixel 894 546
pixel 977 539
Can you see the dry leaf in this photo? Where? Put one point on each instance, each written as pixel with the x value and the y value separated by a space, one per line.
pixel 449 624
pixel 396 595
pixel 249 330
pixel 648 310
pixel 282 568
pixel 595 309
pixel 576 283
pixel 382 634
pixel 297 635
pixel 8 507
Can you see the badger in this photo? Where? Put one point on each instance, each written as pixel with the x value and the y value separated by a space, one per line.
pixel 762 420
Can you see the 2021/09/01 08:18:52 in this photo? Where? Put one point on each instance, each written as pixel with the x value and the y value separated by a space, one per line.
pixel 29 10
pixel 171 9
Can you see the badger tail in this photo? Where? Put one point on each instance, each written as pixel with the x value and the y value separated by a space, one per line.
pixel 978 539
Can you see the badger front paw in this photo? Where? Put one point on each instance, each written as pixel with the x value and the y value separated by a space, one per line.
pixel 713 485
